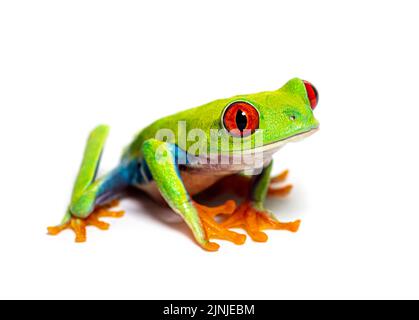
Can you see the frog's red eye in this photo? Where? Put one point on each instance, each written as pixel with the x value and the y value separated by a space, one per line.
pixel 313 95
pixel 241 119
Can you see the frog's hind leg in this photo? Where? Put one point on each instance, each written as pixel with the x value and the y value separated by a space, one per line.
pixel 92 199
pixel 78 225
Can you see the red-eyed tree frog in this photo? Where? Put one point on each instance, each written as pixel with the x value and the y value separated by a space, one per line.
pixel 222 146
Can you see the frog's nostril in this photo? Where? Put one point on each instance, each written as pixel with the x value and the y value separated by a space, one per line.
pixel 313 95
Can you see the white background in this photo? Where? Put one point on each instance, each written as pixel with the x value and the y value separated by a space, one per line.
pixel 67 66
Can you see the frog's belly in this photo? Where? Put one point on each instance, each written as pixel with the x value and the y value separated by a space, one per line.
pixel 198 178
pixel 194 184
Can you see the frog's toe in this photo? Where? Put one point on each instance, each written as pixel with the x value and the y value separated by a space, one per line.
pixel 213 229
pixel 211 246
pixel 78 225
pixel 280 177
pixel 279 191
pixel 254 221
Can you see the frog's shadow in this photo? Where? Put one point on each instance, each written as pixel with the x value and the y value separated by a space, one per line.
pixel 140 202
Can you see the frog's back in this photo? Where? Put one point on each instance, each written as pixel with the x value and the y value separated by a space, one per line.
pixel 193 118
pixel 133 150
pixel 204 117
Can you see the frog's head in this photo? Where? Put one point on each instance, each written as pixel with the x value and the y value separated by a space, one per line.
pixel 278 116
pixel 258 123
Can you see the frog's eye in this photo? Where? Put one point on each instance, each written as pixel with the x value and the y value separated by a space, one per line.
pixel 241 119
pixel 313 95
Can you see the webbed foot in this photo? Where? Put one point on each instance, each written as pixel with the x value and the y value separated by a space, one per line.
pixel 254 221
pixel 78 225
pixel 213 229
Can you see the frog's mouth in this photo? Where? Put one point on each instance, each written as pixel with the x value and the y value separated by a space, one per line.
pixel 275 146
pixel 256 158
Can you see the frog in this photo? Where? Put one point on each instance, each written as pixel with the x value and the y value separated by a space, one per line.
pixel 219 148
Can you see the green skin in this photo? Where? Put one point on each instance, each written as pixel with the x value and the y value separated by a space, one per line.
pixel 284 114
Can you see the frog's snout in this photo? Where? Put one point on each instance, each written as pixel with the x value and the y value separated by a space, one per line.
pixel 312 93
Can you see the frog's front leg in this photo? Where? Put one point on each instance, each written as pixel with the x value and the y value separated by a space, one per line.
pixel 161 159
pixel 252 216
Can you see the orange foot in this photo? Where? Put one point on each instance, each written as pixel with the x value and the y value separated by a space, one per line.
pixel 213 229
pixel 281 191
pixel 79 225
pixel 254 221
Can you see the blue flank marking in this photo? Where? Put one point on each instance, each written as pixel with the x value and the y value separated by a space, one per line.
pixel 116 181
pixel 143 174
pixel 131 173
